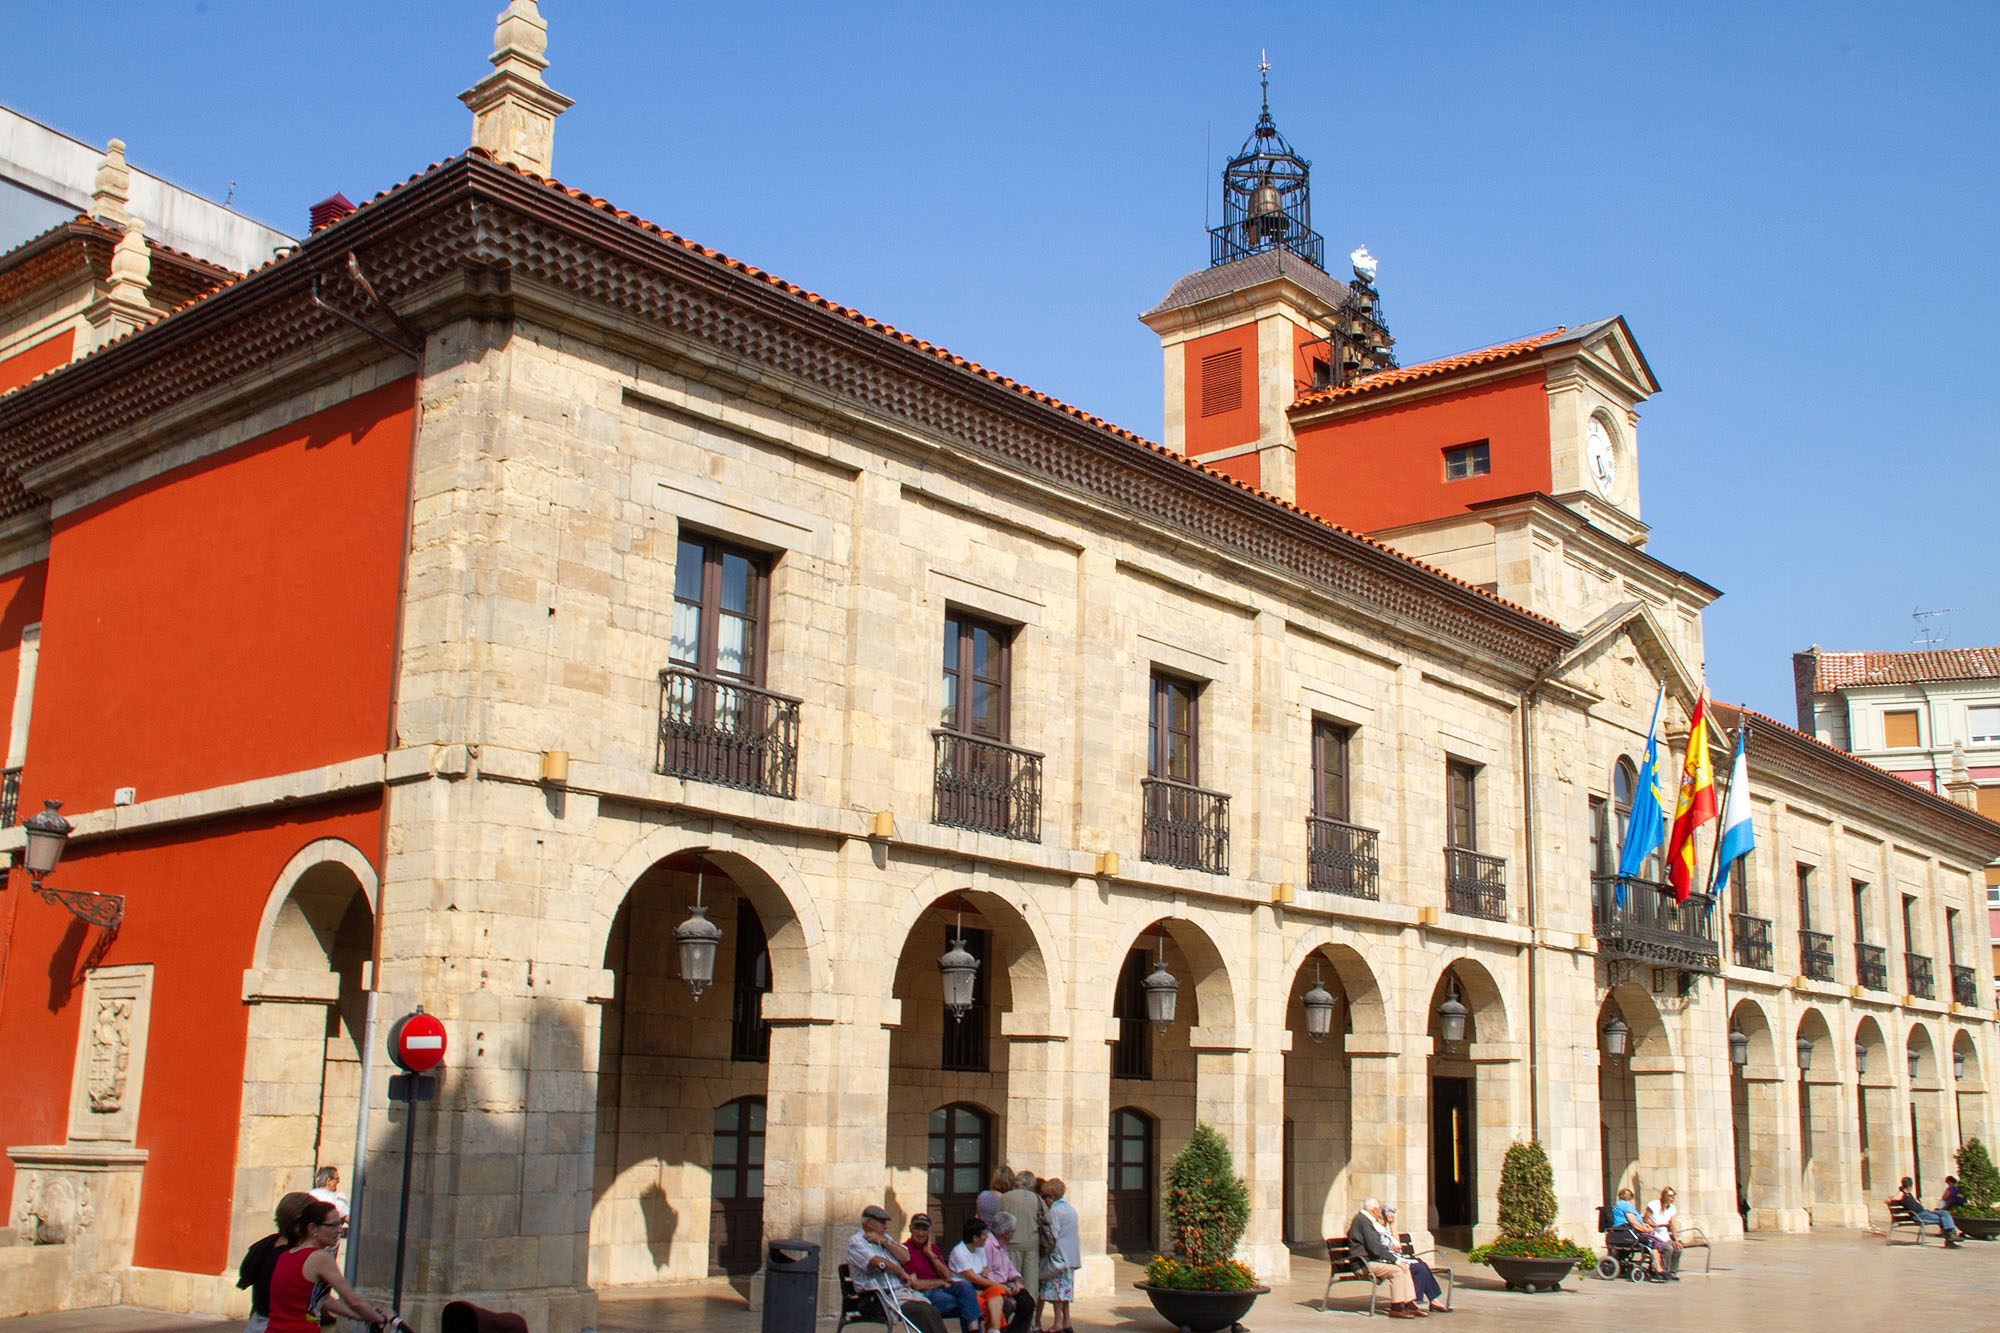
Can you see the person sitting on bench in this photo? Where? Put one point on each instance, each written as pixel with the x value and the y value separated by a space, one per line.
pixel 1660 1215
pixel 1364 1241
pixel 1934 1217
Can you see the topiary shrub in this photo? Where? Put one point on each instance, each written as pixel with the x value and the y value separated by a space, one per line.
pixel 1977 1181
pixel 1527 1219
pixel 1208 1207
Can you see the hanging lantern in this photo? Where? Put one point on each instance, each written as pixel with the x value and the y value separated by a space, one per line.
pixel 1805 1055
pixel 1615 1034
pixel 1860 1059
pixel 697 938
pixel 1739 1048
pixel 1451 1019
pixel 959 970
pixel 1161 992
pixel 1958 1065
pixel 1319 1003
pixel 1914 1058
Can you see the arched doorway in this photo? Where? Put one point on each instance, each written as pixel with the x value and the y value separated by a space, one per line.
pixel 960 1157
pixel 1822 1120
pixel 1930 1148
pixel 1968 1078
pixel 1320 1092
pixel 1471 1101
pixel 307 1020
pixel 1639 1134
pixel 1876 1127
pixel 682 1079
pixel 1134 1182
pixel 1762 1194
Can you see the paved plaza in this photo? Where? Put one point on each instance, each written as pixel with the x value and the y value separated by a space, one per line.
pixel 1774 1284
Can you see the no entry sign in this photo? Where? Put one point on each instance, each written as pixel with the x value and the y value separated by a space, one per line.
pixel 416 1042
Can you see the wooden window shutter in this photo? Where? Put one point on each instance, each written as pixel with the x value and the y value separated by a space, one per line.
pixel 1899 730
pixel 1222 381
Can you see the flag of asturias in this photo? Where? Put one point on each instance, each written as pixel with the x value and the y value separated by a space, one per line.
pixel 1646 826
pixel 1737 838
pixel 1696 803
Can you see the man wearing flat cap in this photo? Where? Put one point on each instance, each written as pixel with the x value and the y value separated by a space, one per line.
pixel 931 1275
pixel 878 1264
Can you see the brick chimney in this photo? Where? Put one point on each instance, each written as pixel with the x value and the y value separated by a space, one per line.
pixel 513 111
pixel 329 211
pixel 1805 671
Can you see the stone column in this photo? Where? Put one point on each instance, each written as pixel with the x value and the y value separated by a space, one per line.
pixel 1499 1116
pixel 1774 1186
pixel 1388 1155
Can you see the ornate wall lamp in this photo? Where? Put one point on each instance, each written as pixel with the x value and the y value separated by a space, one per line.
pixel 48 832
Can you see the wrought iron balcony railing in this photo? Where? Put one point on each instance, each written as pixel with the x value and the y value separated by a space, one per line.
pixel 1816 955
pixel 1965 986
pixel 1184 826
pixel 1917 971
pixel 1475 884
pixel 986 785
pixel 1341 858
pixel 728 733
pixel 1750 940
pixel 1871 966
pixel 10 796
pixel 1648 925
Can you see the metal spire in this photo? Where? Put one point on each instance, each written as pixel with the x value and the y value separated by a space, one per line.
pixel 1264 73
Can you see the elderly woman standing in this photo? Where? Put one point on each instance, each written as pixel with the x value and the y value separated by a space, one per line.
pixel 1025 1248
pixel 1059 1269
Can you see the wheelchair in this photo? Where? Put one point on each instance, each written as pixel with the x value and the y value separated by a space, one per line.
pixel 1626 1255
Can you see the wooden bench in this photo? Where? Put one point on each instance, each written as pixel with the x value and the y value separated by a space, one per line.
pixel 1343 1265
pixel 1901 1216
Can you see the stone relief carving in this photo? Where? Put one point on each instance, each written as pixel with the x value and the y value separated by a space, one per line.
pixel 54 1209
pixel 110 1053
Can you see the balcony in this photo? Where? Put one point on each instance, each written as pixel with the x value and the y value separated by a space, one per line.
pixel 986 786
pixel 1750 941
pixel 10 796
pixel 1650 927
pixel 1184 826
pixel 1816 955
pixel 1917 971
pixel 1964 986
pixel 1341 858
pixel 1475 884
pixel 1871 966
pixel 728 733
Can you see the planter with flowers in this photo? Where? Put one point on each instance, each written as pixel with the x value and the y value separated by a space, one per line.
pixel 1197 1287
pixel 1529 1256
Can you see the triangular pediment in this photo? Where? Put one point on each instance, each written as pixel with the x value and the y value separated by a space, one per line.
pixel 1629 632
pixel 1611 349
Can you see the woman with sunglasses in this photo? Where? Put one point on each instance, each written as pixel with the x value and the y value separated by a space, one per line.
pixel 307 1267
pixel 1666 1233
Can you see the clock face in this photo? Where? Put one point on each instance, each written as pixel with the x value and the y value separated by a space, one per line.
pixel 1601 456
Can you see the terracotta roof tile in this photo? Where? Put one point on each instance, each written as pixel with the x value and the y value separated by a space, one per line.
pixel 1389 379
pixel 1836 671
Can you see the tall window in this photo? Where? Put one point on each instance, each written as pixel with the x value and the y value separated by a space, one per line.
pixel 1132 1055
pixel 965 1038
pixel 1739 886
pixel 1172 736
pixel 1805 873
pixel 1461 809
pixel 719 610
pixel 1910 925
pixel 1330 747
pixel 1859 890
pixel 975 677
pixel 1951 934
pixel 1602 861
pixel 749 1034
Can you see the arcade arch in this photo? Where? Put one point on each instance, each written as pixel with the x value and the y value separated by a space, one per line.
pixel 1930 1156
pixel 1756 1116
pixel 1877 1131
pixel 1476 1097
pixel 1968 1079
pixel 1639 1125
pixel 1320 1150
pixel 1823 1121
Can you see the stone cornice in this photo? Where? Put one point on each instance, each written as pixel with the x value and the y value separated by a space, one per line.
pixel 469 230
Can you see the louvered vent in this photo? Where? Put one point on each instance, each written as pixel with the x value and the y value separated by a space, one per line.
pixel 1222 382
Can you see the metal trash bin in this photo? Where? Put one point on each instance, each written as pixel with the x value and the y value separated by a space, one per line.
pixel 791 1286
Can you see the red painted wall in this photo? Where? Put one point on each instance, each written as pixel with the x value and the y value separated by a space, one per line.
pixel 232 619
pixel 1224 429
pixel 194 898
pixel 40 359
pixel 1385 468
pixel 20 607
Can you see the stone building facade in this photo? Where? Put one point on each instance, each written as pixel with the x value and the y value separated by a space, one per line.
pixel 641 580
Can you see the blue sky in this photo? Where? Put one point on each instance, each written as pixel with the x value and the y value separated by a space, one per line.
pixel 1795 207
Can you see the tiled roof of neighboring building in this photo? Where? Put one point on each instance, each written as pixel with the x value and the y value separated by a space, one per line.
pixel 1208 283
pixel 1838 671
pixel 1389 379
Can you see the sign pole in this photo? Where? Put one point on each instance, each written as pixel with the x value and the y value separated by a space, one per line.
pixel 416 1043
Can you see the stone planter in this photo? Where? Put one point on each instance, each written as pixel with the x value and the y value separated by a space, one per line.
pixel 1201 1311
pixel 1525 1274
pixel 1979 1228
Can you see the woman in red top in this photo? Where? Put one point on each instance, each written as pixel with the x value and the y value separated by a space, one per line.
pixel 307 1265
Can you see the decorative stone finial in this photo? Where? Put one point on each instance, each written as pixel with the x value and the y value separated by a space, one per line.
pixel 513 111
pixel 126 303
pixel 112 189
pixel 131 262
pixel 1959 787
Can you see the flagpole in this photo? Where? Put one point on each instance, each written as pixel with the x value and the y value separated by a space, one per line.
pixel 1722 811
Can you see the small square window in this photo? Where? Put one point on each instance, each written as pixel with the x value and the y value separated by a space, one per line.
pixel 1899 729
pixel 1467 460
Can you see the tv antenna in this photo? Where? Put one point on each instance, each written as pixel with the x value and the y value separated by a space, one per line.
pixel 1929 635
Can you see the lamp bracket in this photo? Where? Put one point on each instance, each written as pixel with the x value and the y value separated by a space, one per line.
pixel 105 910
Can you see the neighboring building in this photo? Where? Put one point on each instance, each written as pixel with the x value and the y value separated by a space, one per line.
pixel 567 584
pixel 1931 717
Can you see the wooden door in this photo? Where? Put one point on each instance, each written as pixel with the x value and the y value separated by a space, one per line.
pixel 1133 1203
pixel 736 1188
